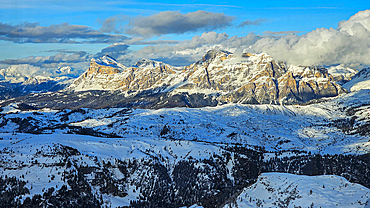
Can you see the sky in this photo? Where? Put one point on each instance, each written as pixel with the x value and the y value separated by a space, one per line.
pixel 41 36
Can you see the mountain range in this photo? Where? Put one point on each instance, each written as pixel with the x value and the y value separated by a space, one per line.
pixel 230 130
pixel 220 77
pixel 229 78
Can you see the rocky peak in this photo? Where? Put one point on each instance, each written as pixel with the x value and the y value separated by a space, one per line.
pixel 104 65
pixel 107 74
pixel 211 55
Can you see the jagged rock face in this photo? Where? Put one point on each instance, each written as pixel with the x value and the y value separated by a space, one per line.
pixel 96 68
pixel 251 78
pixel 112 76
pixel 258 78
pixel 301 84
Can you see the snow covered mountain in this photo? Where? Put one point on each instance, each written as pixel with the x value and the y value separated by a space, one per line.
pixel 22 73
pixel 229 78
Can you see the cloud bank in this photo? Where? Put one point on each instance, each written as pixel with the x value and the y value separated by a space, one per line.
pixel 349 45
pixel 48 60
pixel 188 51
pixel 281 32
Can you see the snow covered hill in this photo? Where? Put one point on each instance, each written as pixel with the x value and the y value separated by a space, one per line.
pixel 336 126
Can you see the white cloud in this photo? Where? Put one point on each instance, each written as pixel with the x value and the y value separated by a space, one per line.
pixel 183 53
pixel 358 24
pixel 349 44
pixel 113 24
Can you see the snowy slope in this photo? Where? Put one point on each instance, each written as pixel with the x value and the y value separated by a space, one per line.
pixel 317 128
pixel 287 190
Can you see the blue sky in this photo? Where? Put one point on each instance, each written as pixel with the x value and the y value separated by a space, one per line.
pixel 42 28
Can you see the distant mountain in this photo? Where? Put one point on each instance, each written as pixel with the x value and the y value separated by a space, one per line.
pixel 24 72
pixel 36 84
pixel 360 81
pixel 21 80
